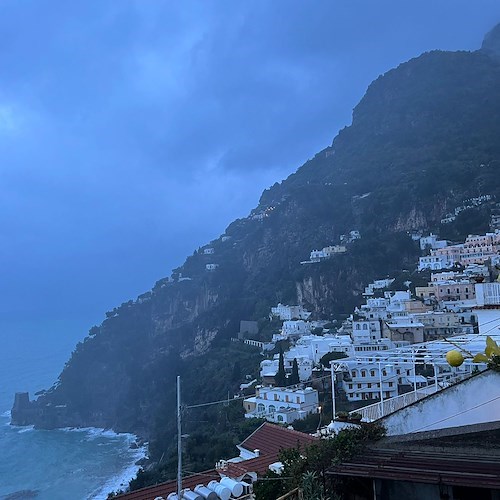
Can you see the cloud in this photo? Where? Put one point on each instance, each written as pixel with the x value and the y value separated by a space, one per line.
pixel 132 132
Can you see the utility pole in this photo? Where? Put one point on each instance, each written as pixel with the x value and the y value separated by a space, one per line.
pixel 333 390
pixel 179 439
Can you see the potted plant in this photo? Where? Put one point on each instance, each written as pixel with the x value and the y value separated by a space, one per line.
pixel 342 416
pixel 355 417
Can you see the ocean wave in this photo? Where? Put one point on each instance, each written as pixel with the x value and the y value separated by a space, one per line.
pixel 22 430
pixel 121 480
pixel 97 432
pixel 6 414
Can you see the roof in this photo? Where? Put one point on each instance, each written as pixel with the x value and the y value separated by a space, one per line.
pixel 164 489
pixel 424 467
pixel 269 439
pixel 467 458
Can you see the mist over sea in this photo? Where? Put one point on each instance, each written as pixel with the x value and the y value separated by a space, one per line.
pixel 83 463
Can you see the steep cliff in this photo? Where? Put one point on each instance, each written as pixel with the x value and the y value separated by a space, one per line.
pixel 423 139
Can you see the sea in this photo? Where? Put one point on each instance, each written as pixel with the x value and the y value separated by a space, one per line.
pixel 58 464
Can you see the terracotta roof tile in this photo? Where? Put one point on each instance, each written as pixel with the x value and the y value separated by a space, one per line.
pixel 164 489
pixel 270 439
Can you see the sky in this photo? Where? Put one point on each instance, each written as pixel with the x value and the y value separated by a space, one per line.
pixel 134 131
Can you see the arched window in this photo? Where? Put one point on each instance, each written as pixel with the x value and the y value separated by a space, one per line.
pixel 354 373
pixel 363 373
pixel 272 408
pixel 261 407
pixel 280 418
pixel 358 327
pixel 365 326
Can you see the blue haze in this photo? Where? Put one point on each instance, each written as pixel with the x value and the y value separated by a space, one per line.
pixel 134 131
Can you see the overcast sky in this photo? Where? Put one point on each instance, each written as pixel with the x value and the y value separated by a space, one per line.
pixel 134 131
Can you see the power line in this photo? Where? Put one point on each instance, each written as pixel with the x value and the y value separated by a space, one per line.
pixel 456 414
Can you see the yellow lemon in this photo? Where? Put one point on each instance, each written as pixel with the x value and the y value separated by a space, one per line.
pixel 454 358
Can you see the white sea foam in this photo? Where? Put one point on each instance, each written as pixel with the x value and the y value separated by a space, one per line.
pixel 120 481
pixel 29 428
pixel 6 414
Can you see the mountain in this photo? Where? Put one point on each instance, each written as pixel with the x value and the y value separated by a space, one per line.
pixel 423 139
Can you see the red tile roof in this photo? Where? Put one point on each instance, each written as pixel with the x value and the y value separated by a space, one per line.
pixel 270 439
pixel 164 489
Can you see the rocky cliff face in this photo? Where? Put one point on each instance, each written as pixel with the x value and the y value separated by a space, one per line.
pixel 423 139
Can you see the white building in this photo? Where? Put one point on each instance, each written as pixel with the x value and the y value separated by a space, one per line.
pixel 269 367
pixel 281 405
pixel 378 285
pixel 208 251
pixel 211 267
pixel 366 331
pixel 488 294
pixel 286 312
pixel 365 381
pixel 432 241
pixel 434 262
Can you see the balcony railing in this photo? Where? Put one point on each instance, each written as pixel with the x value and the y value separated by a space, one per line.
pixel 378 410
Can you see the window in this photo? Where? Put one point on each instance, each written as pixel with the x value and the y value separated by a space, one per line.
pixel 354 373
pixel 363 373
pixel 261 407
pixel 372 373
pixel 390 384
pixel 358 327
pixel 369 386
pixel 272 408
pixel 280 418
pixel 365 326
pixel 359 386
pixel 350 386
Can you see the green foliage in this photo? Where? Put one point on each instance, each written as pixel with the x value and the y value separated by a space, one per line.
pixel 280 377
pixel 270 487
pixel 491 355
pixel 312 463
pixel 293 379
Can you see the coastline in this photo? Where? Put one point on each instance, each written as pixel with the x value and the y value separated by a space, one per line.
pixel 106 459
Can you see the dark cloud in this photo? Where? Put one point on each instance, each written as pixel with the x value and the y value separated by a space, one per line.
pixel 132 132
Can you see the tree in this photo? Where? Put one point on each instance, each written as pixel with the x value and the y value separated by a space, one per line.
pixel 280 377
pixel 236 375
pixel 293 379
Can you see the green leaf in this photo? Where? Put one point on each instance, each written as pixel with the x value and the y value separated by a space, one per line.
pixel 480 358
pixel 491 347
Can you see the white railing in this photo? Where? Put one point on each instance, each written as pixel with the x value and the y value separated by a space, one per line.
pixel 388 406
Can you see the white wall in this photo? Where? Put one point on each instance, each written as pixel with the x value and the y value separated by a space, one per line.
pixel 474 401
